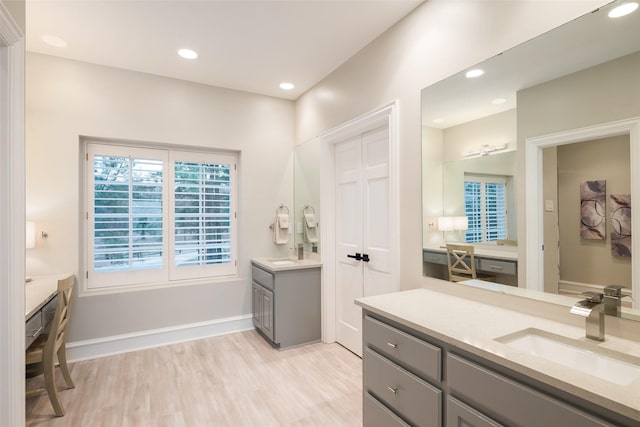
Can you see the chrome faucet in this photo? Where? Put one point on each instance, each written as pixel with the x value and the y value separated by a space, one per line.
pixel 612 300
pixel 592 309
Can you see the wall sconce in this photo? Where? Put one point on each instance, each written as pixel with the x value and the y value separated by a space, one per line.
pixel 485 150
pixel 452 223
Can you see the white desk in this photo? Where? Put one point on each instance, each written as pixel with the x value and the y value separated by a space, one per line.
pixel 501 261
pixel 40 305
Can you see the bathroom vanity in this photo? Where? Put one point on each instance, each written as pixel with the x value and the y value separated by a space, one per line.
pixel 286 300
pixel 434 359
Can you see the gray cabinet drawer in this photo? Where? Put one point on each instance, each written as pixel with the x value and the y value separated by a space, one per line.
pixel 461 415
pixel 516 404
pixel 415 355
pixel 434 257
pixel 419 402
pixel 262 277
pixel 378 415
pixel 497 266
pixel 33 328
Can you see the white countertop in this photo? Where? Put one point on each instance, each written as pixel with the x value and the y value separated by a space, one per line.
pixel 490 251
pixel 277 264
pixel 473 326
pixel 39 291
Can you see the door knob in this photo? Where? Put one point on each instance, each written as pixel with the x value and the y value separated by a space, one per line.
pixel 365 257
pixel 357 256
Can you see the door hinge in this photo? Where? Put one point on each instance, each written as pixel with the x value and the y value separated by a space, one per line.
pixel 87 274
pixel 235 214
pixel 86 215
pixel 87 156
pixel 235 166
pixel 235 262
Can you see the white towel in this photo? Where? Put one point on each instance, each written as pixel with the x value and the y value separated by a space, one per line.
pixel 281 229
pixel 310 228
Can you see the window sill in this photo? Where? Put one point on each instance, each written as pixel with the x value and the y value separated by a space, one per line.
pixel 84 292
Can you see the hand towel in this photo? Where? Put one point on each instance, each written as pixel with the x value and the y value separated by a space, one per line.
pixel 310 229
pixel 281 229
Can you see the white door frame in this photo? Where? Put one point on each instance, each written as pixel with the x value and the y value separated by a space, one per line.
pixel 533 193
pixel 385 114
pixel 12 221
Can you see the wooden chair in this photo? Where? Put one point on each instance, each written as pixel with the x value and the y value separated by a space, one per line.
pixel 462 264
pixel 41 354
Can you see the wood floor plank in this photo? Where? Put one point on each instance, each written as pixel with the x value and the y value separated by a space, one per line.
pixel 231 380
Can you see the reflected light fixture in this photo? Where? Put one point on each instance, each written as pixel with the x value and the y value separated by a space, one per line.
pixel 485 150
pixel 452 223
pixel 498 101
pixel 54 41
pixel 623 9
pixel 188 53
pixel 476 72
pixel 286 86
pixel 438 120
pixel 30 237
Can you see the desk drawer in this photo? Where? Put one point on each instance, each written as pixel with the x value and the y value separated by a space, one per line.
pixel 411 353
pixel 262 277
pixel 497 266
pixel 415 400
pixel 33 327
pixel 434 257
pixel 49 311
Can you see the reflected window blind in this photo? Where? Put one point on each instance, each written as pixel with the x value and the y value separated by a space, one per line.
pixel 473 211
pixel 202 225
pixel 127 214
pixel 495 211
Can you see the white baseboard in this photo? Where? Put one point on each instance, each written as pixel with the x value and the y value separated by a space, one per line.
pixel 117 344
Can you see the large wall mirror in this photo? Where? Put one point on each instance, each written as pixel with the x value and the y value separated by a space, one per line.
pixel 544 123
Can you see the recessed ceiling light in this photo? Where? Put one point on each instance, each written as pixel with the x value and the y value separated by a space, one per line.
pixel 54 41
pixel 498 101
pixel 438 120
pixel 623 9
pixel 476 72
pixel 188 53
pixel 286 86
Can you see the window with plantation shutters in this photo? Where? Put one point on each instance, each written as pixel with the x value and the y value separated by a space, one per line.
pixel 203 214
pixel 156 215
pixel 485 206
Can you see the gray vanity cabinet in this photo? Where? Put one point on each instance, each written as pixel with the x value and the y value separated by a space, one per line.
pixel 286 305
pixel 411 378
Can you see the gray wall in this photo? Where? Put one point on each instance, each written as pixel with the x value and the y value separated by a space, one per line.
pixel 17 10
pixel 66 99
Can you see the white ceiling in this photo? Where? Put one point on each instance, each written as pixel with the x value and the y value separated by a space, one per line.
pixel 246 45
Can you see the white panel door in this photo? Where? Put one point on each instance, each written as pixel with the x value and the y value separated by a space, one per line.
pixel 363 229
pixel 376 243
pixel 349 278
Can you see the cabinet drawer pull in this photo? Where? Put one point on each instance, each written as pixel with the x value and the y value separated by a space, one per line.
pixel 393 390
pixel 36 332
pixel 392 345
pixel 495 267
pixel 433 258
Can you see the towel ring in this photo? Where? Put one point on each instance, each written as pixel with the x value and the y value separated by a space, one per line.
pixel 282 207
pixel 308 207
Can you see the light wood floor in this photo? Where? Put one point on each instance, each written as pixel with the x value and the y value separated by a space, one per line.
pixel 232 380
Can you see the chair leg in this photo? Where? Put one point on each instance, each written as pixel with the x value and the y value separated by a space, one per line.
pixel 62 359
pixel 50 385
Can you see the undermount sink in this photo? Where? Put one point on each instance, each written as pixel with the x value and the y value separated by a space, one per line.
pixel 608 365
pixel 283 261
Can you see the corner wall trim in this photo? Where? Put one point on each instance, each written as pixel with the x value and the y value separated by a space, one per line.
pixel 118 344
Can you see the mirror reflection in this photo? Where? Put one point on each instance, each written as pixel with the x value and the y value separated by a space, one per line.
pixel 307 195
pixel 581 75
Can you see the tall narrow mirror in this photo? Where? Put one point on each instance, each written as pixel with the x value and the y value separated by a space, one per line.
pixel 307 195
